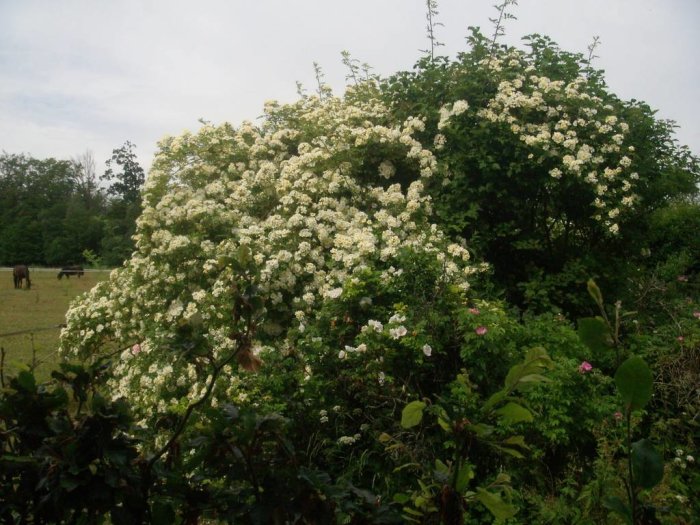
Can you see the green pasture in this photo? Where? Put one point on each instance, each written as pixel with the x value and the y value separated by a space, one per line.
pixel 37 314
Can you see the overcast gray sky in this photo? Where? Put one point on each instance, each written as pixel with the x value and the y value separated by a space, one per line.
pixel 79 75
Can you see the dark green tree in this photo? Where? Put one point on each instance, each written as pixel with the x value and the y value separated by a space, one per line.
pixel 126 178
pixel 124 174
pixel 28 188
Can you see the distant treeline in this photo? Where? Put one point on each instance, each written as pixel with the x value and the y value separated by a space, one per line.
pixel 56 212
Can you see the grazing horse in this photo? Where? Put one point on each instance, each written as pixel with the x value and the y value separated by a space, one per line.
pixel 71 270
pixel 19 273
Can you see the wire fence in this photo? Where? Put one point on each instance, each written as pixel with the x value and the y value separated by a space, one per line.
pixel 38 357
pixel 57 269
pixel 26 347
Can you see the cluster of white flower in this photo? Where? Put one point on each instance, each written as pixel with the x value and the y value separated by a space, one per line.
pixel 563 123
pixel 682 459
pixel 286 192
pixel 450 110
pixel 348 440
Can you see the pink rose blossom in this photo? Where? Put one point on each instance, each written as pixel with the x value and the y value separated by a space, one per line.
pixel 481 330
pixel 585 367
pixel 680 338
pixel 474 311
pixel 618 415
pixel 136 349
pixel 696 314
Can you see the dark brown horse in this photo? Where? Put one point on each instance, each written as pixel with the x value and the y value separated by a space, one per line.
pixel 71 270
pixel 19 274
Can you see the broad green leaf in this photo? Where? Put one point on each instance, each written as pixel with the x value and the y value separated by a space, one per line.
pixel 510 451
pixel 537 353
pixel 535 361
pixel 412 414
pixel 401 498
pixel 492 501
pixel 647 464
pixel 594 333
pixel 617 505
pixel 528 381
pixel 443 419
pixel 514 413
pixel 533 378
pixel 514 375
pixel 495 399
pixel 634 381
pixel 441 467
pixel 516 440
pixel 464 475
pixel 481 430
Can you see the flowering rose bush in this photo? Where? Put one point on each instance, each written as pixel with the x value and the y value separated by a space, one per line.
pixel 246 232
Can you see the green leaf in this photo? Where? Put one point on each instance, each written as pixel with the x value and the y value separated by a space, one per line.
pixel 492 501
pixel 594 291
pixel 537 353
pixel 495 398
pixel 635 382
pixel 514 375
pixel 528 372
pixel 443 419
pixel 412 414
pixel 647 464
pixel 516 440
pixel 481 430
pixel 510 451
pixel 617 505
pixel 532 378
pixel 464 476
pixel 384 438
pixel 26 381
pixel 401 498
pixel 514 413
pixel 441 467
pixel 594 333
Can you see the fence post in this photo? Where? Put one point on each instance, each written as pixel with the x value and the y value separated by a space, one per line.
pixel 2 366
pixel 31 338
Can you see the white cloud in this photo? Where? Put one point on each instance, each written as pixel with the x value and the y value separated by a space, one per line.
pixel 83 75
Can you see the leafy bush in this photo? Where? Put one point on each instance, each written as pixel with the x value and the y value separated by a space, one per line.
pixel 541 165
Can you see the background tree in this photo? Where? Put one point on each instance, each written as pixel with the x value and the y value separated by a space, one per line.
pixel 52 210
pixel 86 180
pixel 124 174
pixel 33 195
pixel 126 177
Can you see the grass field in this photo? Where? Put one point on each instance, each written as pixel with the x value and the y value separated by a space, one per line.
pixel 37 312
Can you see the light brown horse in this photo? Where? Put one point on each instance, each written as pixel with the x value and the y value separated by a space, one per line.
pixel 19 274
